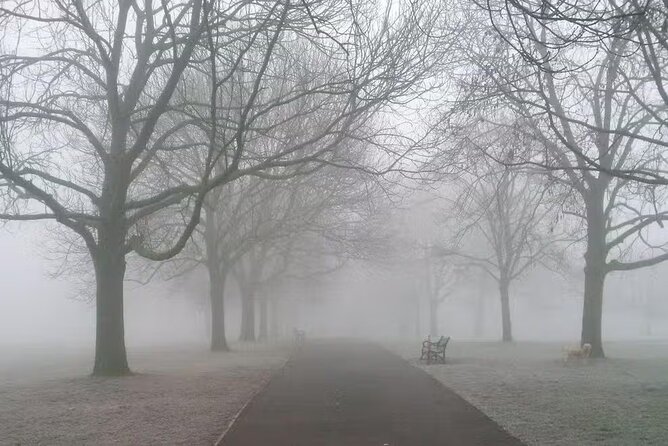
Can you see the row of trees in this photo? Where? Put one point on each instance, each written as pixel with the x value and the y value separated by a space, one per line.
pixel 239 135
pixel 119 118
pixel 262 232
pixel 568 103
pixel 589 100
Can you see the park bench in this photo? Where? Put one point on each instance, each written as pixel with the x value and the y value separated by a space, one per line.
pixel 434 351
pixel 300 336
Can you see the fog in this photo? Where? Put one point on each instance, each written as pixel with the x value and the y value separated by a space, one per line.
pixel 36 309
pixel 403 222
pixel 360 300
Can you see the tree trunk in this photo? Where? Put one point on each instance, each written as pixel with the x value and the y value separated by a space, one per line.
pixel 217 279
pixel 595 273
pixel 592 314
pixel 109 262
pixel 247 314
pixel 110 355
pixel 433 318
pixel 506 327
pixel 264 319
pixel 217 299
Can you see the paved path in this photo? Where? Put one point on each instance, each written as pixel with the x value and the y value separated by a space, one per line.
pixel 358 394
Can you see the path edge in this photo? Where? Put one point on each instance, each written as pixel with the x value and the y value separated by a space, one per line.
pixel 416 365
pixel 257 391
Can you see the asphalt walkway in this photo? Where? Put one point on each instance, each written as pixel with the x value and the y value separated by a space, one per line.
pixel 358 394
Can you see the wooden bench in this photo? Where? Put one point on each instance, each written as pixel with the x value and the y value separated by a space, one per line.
pixel 300 336
pixel 434 351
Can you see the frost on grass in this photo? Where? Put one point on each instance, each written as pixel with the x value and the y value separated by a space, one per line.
pixel 185 397
pixel 528 390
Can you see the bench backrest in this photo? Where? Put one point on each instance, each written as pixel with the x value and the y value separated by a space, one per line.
pixel 442 341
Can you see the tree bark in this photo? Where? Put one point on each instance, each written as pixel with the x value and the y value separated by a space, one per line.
pixel 595 273
pixel 592 314
pixel 217 279
pixel 506 326
pixel 264 319
pixel 217 299
pixel 247 314
pixel 109 260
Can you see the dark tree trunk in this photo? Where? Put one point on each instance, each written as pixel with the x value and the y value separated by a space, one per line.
pixel 506 326
pixel 595 273
pixel 109 260
pixel 217 299
pixel 264 319
pixel 247 315
pixel 592 314
pixel 217 279
pixel 433 318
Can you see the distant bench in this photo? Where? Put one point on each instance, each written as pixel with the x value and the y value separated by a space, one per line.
pixel 300 336
pixel 434 351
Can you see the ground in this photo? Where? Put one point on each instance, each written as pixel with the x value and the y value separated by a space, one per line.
pixel 528 390
pixel 189 396
pixel 185 396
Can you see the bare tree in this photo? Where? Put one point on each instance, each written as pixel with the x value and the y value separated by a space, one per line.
pixel 260 230
pixel 310 226
pixel 561 38
pixel 441 279
pixel 504 222
pixel 554 110
pixel 98 97
pixel 85 104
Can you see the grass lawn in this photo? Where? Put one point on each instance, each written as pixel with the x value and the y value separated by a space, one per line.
pixel 527 389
